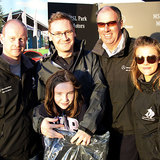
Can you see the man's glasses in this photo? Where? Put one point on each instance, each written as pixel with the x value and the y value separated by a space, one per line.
pixel 60 35
pixel 150 59
pixel 109 24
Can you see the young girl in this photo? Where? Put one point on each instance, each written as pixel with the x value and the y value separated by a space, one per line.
pixel 64 102
pixel 146 101
pixel 63 99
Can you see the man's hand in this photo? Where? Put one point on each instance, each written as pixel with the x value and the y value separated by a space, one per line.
pixel 81 137
pixel 47 128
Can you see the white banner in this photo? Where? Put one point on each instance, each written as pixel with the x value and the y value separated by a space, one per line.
pixel 24 18
pixel 35 26
pixel 10 15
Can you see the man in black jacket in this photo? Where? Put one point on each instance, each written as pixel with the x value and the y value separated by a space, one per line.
pixel 18 140
pixel 68 53
pixel 114 49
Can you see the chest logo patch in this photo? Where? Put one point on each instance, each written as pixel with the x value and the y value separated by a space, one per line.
pixel 149 116
pixel 127 69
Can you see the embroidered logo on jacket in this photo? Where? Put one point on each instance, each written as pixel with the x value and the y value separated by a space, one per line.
pixel 149 116
pixel 123 67
pixel 6 89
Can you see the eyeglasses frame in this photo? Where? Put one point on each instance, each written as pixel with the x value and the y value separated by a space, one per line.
pixel 60 35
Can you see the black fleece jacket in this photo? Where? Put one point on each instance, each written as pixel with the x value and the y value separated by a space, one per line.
pixel 116 70
pixel 18 141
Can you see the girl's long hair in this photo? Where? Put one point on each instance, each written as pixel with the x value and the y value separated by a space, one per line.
pixel 49 103
pixel 142 42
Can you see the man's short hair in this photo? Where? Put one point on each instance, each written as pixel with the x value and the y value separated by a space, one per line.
pixel 59 16
pixel 115 9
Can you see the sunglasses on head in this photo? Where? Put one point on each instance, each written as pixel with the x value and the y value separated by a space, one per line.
pixel 150 59
pixel 109 24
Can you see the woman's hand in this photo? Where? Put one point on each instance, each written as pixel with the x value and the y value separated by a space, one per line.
pixel 81 137
pixel 47 128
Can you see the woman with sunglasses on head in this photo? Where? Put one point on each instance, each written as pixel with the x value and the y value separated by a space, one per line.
pixel 146 102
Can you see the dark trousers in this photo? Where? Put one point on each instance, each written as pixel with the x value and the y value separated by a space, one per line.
pixel 122 147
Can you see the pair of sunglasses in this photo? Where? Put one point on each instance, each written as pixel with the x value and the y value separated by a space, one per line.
pixel 109 24
pixel 150 59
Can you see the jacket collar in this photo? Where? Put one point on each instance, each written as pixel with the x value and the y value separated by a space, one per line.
pixel 148 87
pixel 25 62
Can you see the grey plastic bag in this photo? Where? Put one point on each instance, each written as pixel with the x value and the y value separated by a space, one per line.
pixel 62 149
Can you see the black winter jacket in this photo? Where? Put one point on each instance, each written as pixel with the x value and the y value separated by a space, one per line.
pixel 117 73
pixel 18 141
pixel 87 70
pixel 146 116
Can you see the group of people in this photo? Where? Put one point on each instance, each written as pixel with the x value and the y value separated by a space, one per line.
pixel 114 87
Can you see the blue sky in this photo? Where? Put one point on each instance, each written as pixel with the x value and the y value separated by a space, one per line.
pixel 30 6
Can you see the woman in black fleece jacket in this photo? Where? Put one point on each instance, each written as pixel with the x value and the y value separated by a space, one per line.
pixel 146 101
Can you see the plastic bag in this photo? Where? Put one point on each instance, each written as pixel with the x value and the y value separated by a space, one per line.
pixel 62 149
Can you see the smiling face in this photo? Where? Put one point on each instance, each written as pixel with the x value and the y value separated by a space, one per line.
pixel 64 94
pixel 110 35
pixel 13 38
pixel 147 69
pixel 63 44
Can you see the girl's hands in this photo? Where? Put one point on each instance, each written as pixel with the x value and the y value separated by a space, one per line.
pixel 81 137
pixel 47 129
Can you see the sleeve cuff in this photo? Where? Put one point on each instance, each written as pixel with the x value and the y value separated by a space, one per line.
pixel 85 130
